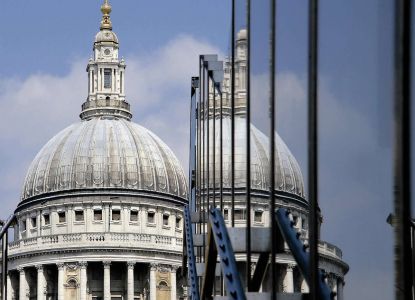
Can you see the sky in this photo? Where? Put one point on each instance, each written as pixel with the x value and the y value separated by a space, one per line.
pixel 45 46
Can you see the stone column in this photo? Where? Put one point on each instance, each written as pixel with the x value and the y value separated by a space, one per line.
pixel 22 284
pixel 173 282
pixel 340 284
pixel 83 265
pixel 289 279
pixel 61 288
pixel 130 280
pixel 153 283
pixel 9 288
pixel 40 283
pixel 304 287
pixel 107 280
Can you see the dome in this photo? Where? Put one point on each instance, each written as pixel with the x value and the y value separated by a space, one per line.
pixel 242 34
pixel 288 177
pixel 105 154
pixel 106 36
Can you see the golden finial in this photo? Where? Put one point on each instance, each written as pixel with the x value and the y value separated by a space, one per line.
pixel 106 21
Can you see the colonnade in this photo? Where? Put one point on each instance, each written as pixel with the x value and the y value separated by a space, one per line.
pixel 23 290
pixel 335 282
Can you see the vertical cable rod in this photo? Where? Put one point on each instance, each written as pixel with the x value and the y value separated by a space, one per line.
pixel 221 152
pixel 4 264
pixel 313 144
pixel 199 159
pixel 203 159
pixel 233 118
pixel 205 155
pixel 272 149
pixel 208 121
pixel 214 144
pixel 402 151
pixel 248 147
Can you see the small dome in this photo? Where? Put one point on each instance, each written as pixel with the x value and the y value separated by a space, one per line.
pixel 105 154
pixel 106 36
pixel 242 34
pixel 288 177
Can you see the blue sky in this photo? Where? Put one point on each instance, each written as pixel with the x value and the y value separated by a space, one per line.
pixel 46 44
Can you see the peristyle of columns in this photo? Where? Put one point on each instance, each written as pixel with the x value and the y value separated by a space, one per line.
pixel 23 291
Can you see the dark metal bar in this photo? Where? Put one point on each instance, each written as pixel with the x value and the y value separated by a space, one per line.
pixel 199 159
pixel 204 150
pixel 7 225
pixel 192 144
pixel 221 152
pixel 210 265
pixel 4 264
pixel 413 258
pixel 208 120
pixel 402 179
pixel 248 148
pixel 5 247
pixel 272 149
pixel 221 171
pixel 192 274
pixel 233 118
pixel 313 145
pixel 224 248
pixel 260 271
pixel 301 256
pixel 214 145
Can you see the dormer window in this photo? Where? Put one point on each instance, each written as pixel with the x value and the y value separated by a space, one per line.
pixel 107 78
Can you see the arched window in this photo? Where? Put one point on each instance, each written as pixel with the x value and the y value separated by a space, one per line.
pixel 163 286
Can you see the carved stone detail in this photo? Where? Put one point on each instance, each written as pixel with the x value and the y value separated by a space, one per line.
pixel 131 264
pixel 83 264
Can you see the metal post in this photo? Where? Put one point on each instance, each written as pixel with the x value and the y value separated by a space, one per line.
pixel 313 145
pixel 248 148
pixel 402 178
pixel 4 268
pixel 272 149
pixel 233 118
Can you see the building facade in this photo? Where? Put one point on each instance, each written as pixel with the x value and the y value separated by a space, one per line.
pixel 100 215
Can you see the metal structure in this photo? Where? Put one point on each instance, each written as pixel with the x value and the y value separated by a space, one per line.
pixel 4 236
pixel 220 250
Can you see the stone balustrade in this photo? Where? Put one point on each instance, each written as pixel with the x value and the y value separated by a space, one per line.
pixel 329 250
pixel 109 239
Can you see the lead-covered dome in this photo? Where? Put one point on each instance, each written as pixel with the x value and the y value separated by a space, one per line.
pixel 105 154
pixel 288 176
pixel 106 36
